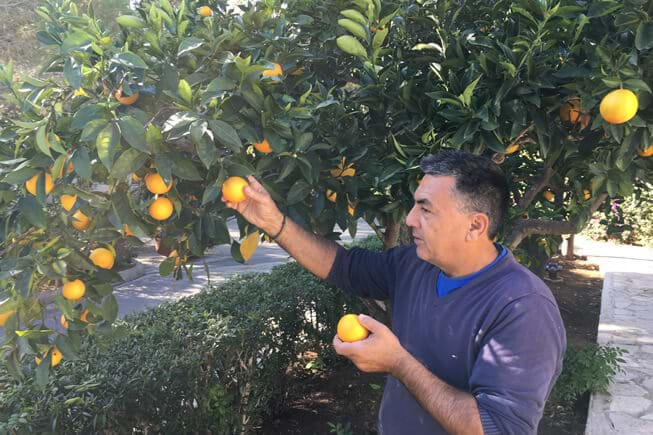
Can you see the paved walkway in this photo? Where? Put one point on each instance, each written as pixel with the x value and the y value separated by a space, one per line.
pixel 145 288
pixel 626 321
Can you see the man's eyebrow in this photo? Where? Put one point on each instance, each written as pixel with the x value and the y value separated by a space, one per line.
pixel 423 201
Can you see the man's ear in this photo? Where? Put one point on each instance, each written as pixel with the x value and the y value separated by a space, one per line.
pixel 478 227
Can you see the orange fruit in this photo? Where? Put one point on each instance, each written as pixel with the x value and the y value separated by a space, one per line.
pixel 275 71
pixel 155 184
pixel 343 171
pixel 648 152
pixel 73 290
pixel 619 106
pixel 68 171
pixel 126 231
pixel 64 322
pixel 570 110
pixel 4 316
pixel 84 316
pixel 587 194
pixel 80 222
pixel 331 195
pixel 549 196
pixel 31 184
pixel 106 40
pixel 351 209
pixel 102 258
pixel 349 329
pixel 135 178
pixel 55 357
pixel 205 11
pixel 161 208
pixel 512 149
pixel 263 147
pixel 128 100
pixel 68 201
pixel 233 189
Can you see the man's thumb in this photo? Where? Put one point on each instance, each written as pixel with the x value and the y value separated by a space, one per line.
pixel 370 323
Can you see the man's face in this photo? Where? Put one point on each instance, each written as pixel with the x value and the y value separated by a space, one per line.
pixel 438 225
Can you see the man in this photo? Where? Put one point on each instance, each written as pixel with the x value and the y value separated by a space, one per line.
pixel 477 340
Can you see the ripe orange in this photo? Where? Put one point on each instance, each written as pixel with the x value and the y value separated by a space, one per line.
pixel 64 322
pixel 619 106
pixel 31 184
pixel 331 195
pixel 648 152
pixel 155 184
pixel 587 194
pixel 126 231
pixel 570 110
pixel 512 149
pixel 128 100
pixel 343 170
pixel 233 189
pixel 4 316
pixel 81 222
pixel 55 357
pixel 351 209
pixel 350 329
pixel 84 316
pixel 73 290
pixel 68 171
pixel 161 208
pixel 102 258
pixel 549 196
pixel 68 201
pixel 263 147
pixel 275 71
pixel 205 11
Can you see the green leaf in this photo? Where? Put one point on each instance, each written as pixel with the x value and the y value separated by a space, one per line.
pixel 106 144
pixel 184 91
pixel 32 210
pixel 110 308
pixel 205 147
pixel 123 209
pixel 644 36
pixel 86 114
pixel 130 60
pixel 298 192
pixel 188 44
pixel 637 84
pixel 76 41
pixel 43 372
pixel 354 28
pixel 66 346
pixel 603 8
pixel 353 14
pixel 92 129
pixel 466 96
pixel 379 38
pixel 153 138
pixel 167 266
pixel 133 132
pixel 226 135
pixel 351 45
pixel 131 21
pixel 42 142
pixel 184 168
pixel 82 163
pixel 72 72
pixel 128 162
pixel 235 252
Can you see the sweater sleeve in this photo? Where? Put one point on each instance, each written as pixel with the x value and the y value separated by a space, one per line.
pixel 364 273
pixel 519 360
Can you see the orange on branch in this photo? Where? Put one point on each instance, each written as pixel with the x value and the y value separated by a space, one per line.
pixel 32 183
pixel 68 201
pixel 161 208
pixel 263 147
pixel 570 110
pixel 275 71
pixel 619 106
pixel 55 358
pixel 81 222
pixel 102 258
pixel 205 11
pixel 126 100
pixel 155 184
pixel 73 290
pixel 648 152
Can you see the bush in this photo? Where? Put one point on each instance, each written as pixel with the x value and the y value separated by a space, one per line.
pixel 213 362
pixel 589 369
pixel 627 220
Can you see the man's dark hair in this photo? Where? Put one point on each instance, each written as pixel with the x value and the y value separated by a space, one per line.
pixel 480 186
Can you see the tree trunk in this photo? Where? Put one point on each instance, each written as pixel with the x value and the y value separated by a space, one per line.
pixel 570 247
pixel 391 235
pixel 405 234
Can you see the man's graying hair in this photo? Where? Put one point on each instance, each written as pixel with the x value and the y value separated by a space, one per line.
pixel 480 186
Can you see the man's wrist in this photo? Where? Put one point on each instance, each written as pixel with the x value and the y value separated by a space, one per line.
pixel 278 227
pixel 400 364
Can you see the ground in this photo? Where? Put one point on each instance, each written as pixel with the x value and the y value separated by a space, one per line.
pixel 347 396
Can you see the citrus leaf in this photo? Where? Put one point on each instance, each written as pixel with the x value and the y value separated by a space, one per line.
pixel 133 132
pixel 249 245
pixel 76 41
pixel 66 347
pixel 130 60
pixel 106 144
pixel 128 162
pixel 644 36
pixel 235 252
pixel 188 44
pixel 353 14
pixel 226 134
pixel 42 142
pixel 72 72
pixel 184 91
pixel 131 21
pixel 82 162
pixel 32 210
pixel 353 27
pixel 351 45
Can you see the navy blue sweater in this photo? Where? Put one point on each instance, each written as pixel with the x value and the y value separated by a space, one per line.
pixel 500 337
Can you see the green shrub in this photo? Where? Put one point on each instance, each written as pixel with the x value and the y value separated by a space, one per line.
pixel 373 243
pixel 626 220
pixel 590 369
pixel 213 362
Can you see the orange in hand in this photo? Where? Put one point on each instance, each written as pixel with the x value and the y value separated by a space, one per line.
pixel 350 329
pixel 233 189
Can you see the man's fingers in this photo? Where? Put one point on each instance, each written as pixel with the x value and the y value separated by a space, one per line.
pixel 253 182
pixel 371 324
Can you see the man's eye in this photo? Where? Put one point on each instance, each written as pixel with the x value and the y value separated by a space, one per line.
pixel 425 210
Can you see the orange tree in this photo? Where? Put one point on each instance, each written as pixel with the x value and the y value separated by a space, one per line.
pixel 330 104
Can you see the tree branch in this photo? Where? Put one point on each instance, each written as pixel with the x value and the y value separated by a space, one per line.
pixel 526 227
pixel 531 193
